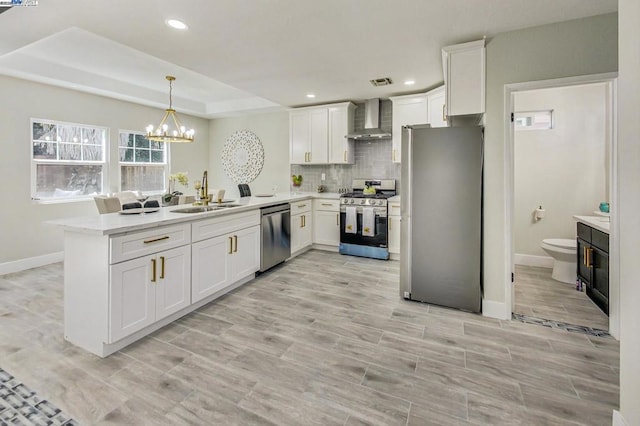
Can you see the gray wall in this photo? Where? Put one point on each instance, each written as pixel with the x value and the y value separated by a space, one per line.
pixel 578 47
pixel 565 169
pixel 22 231
pixel 629 206
pixel 273 131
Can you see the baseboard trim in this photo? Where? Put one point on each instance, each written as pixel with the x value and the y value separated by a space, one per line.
pixel 30 262
pixel 531 260
pixel 618 420
pixel 493 309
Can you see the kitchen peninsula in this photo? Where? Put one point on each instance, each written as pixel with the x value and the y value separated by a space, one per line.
pixel 126 275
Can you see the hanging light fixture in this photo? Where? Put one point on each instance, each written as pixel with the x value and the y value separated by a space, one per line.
pixel 170 129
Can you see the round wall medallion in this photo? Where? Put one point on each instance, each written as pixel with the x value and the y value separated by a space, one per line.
pixel 243 156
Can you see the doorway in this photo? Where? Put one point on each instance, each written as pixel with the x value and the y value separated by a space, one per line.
pixel 535 162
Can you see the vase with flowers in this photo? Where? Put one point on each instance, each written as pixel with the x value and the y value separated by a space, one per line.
pixel 171 197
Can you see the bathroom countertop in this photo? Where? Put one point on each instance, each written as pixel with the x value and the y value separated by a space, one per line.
pixel 600 223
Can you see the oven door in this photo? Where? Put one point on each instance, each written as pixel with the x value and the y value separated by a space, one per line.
pixel 380 238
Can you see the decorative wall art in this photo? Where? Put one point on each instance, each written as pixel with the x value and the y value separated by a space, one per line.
pixel 243 156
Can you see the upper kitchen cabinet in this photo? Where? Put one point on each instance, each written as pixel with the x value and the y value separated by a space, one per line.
pixel 407 109
pixel 464 78
pixel 317 134
pixel 436 107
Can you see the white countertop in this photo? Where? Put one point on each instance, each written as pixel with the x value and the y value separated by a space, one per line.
pixel 116 223
pixel 394 199
pixel 600 223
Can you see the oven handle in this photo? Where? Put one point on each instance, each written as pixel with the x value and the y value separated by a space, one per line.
pixel 377 211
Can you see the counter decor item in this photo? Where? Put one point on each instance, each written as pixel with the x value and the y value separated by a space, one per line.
pixel 320 188
pixel 243 156
pixel 171 197
pixel 296 181
pixel 604 207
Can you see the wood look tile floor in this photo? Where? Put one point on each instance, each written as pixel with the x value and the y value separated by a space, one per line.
pixel 321 340
pixel 538 295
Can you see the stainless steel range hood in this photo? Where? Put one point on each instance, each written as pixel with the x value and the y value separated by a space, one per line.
pixel 372 128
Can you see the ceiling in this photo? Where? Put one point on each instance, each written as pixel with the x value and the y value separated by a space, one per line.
pixel 245 56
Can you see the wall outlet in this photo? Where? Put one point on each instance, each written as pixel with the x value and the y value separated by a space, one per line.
pixel 323 176
pixel 407 295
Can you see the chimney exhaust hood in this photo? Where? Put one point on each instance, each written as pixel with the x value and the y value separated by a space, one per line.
pixel 372 128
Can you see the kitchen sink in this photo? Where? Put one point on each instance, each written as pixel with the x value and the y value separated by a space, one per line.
pixel 202 209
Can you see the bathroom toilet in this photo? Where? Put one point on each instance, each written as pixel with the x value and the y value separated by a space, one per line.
pixel 563 252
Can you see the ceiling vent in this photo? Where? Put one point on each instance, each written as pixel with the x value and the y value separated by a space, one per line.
pixel 381 81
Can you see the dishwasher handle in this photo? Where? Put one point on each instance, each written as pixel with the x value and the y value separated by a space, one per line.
pixel 277 209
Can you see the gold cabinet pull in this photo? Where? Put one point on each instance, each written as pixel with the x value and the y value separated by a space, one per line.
pixel 326 204
pixel 161 267
pixel 153 270
pixel 394 155
pixel 345 156
pixel 589 263
pixel 390 222
pixel 337 219
pixel 235 243
pixel 155 240
pixel 301 221
pixel 230 245
pixel 584 256
pixel 301 206
pixel 444 117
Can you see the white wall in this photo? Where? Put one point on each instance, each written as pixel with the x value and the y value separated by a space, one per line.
pixel 273 131
pixel 629 208
pixel 565 168
pixel 578 47
pixel 22 232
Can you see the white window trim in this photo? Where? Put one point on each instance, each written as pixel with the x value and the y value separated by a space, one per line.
pixel 167 163
pixel 105 163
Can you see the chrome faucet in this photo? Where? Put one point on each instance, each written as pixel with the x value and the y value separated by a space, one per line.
pixel 204 190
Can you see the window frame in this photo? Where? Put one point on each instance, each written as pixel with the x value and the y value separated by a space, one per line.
pixel 35 162
pixel 166 164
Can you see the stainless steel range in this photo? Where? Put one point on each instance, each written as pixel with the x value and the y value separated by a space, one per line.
pixel 363 218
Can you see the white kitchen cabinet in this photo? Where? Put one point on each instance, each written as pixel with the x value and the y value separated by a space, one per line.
pixel 394 227
pixel 464 78
pixel 436 107
pixel 326 222
pixel 147 289
pixel 317 134
pixel 301 226
pixel 341 150
pixel 407 109
pixel 227 249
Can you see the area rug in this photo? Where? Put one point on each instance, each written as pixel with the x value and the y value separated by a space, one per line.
pixel 562 325
pixel 20 406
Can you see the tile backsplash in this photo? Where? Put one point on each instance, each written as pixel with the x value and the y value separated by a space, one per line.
pixel 372 160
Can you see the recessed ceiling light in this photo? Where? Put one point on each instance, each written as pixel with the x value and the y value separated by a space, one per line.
pixel 178 25
pixel 310 95
pixel 409 82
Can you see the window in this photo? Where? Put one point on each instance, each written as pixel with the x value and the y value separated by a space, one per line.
pixel 68 160
pixel 143 163
pixel 533 120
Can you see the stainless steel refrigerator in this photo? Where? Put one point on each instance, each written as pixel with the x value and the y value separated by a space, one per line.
pixel 441 210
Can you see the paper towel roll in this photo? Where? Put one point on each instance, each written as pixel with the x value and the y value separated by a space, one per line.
pixel 539 214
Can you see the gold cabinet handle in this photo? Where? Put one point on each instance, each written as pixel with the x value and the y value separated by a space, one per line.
pixel 230 245
pixel 153 270
pixel 326 204
pixel 161 267
pixel 394 155
pixel 390 222
pixel 589 263
pixel 301 206
pixel 337 219
pixel 345 156
pixel 155 240
pixel 444 117
pixel 301 221
pixel 584 256
pixel 235 243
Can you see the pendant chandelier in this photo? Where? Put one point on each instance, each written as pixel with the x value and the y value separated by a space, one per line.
pixel 170 129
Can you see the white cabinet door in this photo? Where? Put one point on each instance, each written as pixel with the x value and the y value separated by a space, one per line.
pixel 299 139
pixel 132 296
pixel 340 125
pixel 407 110
pixel 326 227
pixel 318 148
pixel 437 117
pixel 464 66
pixel 209 266
pixel 301 231
pixel 173 291
pixel 245 257
pixel 394 234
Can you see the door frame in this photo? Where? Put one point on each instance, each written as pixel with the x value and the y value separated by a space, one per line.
pixel 614 260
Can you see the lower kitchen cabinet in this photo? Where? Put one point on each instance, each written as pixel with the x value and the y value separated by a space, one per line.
pixel 221 261
pixel 326 222
pixel 593 264
pixel 147 289
pixel 301 226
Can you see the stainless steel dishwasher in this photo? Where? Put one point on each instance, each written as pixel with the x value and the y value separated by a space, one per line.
pixel 275 240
